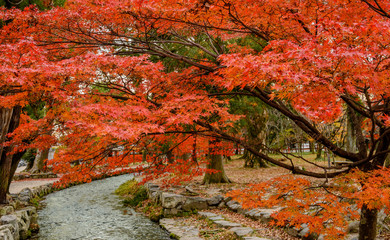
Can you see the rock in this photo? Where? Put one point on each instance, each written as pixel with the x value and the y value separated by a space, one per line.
pixel 30 210
pixel 6 210
pixel 234 205
pixel 25 195
pixel 151 186
pixel 207 214
pixel 216 218
pixel 292 231
pixel 32 213
pixel 265 215
pixel 227 199
pixel 227 224
pixel 215 201
pixel 170 200
pixel 192 203
pixel 11 220
pixel 191 191
pixel 155 196
pixel 304 233
pixel 24 223
pixel 6 233
pixel 353 227
pixel 171 212
pixel 231 203
pixel 256 215
pixel 352 236
pixel 256 238
pixel 242 231
pixel 222 205
pixel 242 211
pixel 180 230
pixel 251 213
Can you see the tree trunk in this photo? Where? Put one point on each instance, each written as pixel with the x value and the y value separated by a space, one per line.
pixel 216 163
pixel 252 161
pixel 9 121
pixel 311 146
pixel 367 225
pixel 39 162
pixel 350 144
pixel 170 157
pixel 14 165
pixel 5 174
pixel 319 151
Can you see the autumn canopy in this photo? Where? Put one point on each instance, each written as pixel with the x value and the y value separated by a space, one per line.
pixel 159 74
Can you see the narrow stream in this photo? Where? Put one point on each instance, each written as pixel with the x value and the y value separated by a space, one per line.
pixel 91 211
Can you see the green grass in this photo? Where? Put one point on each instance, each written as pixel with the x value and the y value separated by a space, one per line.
pixel 132 193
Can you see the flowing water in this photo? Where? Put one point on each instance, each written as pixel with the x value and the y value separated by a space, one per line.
pixel 91 211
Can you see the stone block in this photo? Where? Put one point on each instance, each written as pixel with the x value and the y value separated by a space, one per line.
pixel 256 238
pixel 180 230
pixel 234 205
pixel 222 205
pixel 242 231
pixel 11 220
pixel 6 210
pixel 171 212
pixel 216 218
pixel 170 200
pixel 24 223
pixel 25 195
pixel 214 201
pixel 207 214
pixel 227 224
pixel 5 233
pixel 193 203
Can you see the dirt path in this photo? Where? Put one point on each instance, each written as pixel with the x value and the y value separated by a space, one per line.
pixel 17 186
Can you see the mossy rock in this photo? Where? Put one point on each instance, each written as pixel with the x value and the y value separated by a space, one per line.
pixel 132 192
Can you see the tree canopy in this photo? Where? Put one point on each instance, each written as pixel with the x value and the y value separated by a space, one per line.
pixel 102 65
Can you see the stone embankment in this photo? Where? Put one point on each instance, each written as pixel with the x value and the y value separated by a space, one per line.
pixel 21 176
pixel 175 204
pixel 18 220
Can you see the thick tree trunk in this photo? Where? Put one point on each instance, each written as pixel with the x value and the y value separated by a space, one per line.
pixel 216 163
pixel 15 161
pixel 368 221
pixel 5 174
pixel 9 122
pixel 39 162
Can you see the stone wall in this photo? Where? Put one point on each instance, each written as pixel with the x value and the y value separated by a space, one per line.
pixel 23 175
pixel 174 204
pixel 20 222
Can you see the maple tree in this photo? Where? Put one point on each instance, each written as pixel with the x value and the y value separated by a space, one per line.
pixel 22 81
pixel 305 59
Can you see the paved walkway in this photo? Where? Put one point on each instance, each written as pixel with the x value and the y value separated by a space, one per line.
pixel 17 186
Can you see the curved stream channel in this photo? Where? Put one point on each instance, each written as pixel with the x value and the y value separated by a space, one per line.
pixel 91 211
